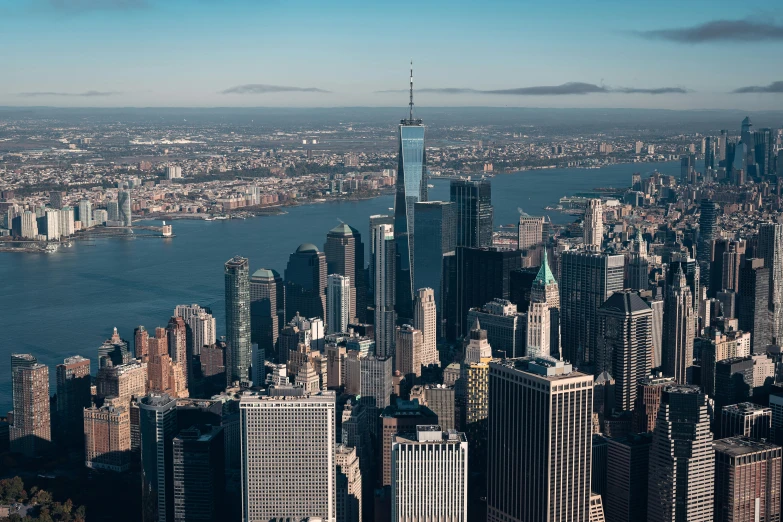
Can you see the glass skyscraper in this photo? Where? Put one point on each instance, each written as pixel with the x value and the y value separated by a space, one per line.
pixel 411 188
pixel 238 355
pixel 473 199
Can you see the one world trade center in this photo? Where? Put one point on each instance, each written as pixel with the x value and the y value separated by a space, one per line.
pixel 411 188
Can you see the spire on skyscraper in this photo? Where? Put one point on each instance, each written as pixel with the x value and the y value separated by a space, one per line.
pixel 411 102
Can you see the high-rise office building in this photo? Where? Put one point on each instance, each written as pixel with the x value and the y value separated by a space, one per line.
pixel 56 198
pixel 483 274
pixel 678 329
pixel 201 326
pixel 199 473
pixel 305 282
pixel 411 187
pixel 746 420
pixel 51 219
pixel 587 279
pixel 384 245
pixel 375 220
pixel 709 154
pixel 627 466
pixel 114 350
pixel 747 480
pixel 66 221
pixel 545 475
pixel 764 152
pixel 349 484
pixel 435 238
pixel 73 395
pixel 408 350
pixel 375 381
pixel 429 476
pixel 345 256
pixel 177 333
pixel 124 382
pixel 708 231
pixel 85 213
pixel 770 249
pixel 440 399
pixel 124 208
pixel 648 401
pixel 686 169
pixel 338 303
pixel 425 319
pixel 141 345
pixel 682 459
pixel 474 212
pixel 531 232
pixel 30 433
pixel 300 426
pixel 157 428
pixel 399 417
pixel 638 275
pixel 538 330
pixel 594 224
pixel 692 271
pixel 265 287
pixel 718 347
pixel 506 328
pixel 625 344
pixel 237 279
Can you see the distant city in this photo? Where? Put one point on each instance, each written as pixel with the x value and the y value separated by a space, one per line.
pixel 623 366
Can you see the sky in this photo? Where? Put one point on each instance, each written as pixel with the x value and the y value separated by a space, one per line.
pixel 698 54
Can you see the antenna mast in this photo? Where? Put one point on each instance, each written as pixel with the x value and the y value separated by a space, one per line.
pixel 411 102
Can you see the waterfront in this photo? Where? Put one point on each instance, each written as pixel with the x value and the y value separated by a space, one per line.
pixel 66 303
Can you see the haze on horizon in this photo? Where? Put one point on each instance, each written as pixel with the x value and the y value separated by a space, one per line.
pixel 243 53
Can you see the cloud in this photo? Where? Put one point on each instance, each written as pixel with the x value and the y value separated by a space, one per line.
pixel 261 88
pixel 85 94
pixel 78 6
pixel 774 87
pixel 719 31
pixel 570 88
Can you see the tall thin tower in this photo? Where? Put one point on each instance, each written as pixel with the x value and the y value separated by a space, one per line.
pixel 678 329
pixel 238 319
pixel 411 188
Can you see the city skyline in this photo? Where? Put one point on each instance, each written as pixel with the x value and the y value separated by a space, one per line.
pixel 610 55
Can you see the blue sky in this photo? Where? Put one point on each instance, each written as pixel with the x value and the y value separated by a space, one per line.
pixel 285 53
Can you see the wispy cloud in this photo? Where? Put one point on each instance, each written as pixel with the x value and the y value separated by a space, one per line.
pixel 719 31
pixel 79 6
pixel 262 88
pixel 570 88
pixel 85 94
pixel 774 87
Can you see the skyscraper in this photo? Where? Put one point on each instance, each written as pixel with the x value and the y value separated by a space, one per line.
pixel 375 220
pixel 349 483
pixel 141 343
pixel 747 480
pixel 30 433
pixel 587 279
pixel 746 420
pixel 157 427
pixel 682 459
pixel 638 265
pixel 708 230
pixel 546 474
pixel 124 207
pixel 435 237
pixel 770 249
pixel 709 154
pixel 764 152
pixel 199 473
pixel 124 382
pixel 399 417
pixel 73 395
pixel 411 188
pixel 627 466
pixel 345 256
pixel 475 214
pixel 538 330
pixel 107 438
pixel 384 245
pixel 375 384
pixel 265 286
pixel 408 350
pixel 425 319
pixel 625 344
pixel 201 326
pixel 594 224
pixel 300 426
pixel 531 232
pixel 237 320
pixel 338 303
pixel 678 329
pixel 429 475
pixel 305 282
pixel 483 274
pixel 179 352
pixel 506 328
pixel 85 213
pixel 753 304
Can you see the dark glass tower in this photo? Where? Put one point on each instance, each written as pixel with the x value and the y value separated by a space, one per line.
pixel 754 304
pixel 238 319
pixel 305 283
pixel 411 188
pixel 473 199
pixel 434 238
pixel 157 426
pixel 708 227
pixel 345 256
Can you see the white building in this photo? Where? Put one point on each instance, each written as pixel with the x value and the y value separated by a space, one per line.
pixel 173 172
pixel 288 455
pixel 100 216
pixel 85 213
pixel 66 221
pixel 202 325
pixel 429 476
pixel 594 224
pixel 29 225
pixel 538 329
pixel 338 303
pixel 52 216
pixel 426 320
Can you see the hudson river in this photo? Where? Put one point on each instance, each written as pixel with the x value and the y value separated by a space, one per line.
pixel 66 303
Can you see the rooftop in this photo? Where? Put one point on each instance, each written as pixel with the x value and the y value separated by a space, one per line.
pixel 307 248
pixel 626 303
pixel 737 446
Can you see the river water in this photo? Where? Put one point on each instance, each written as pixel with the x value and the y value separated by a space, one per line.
pixel 66 303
